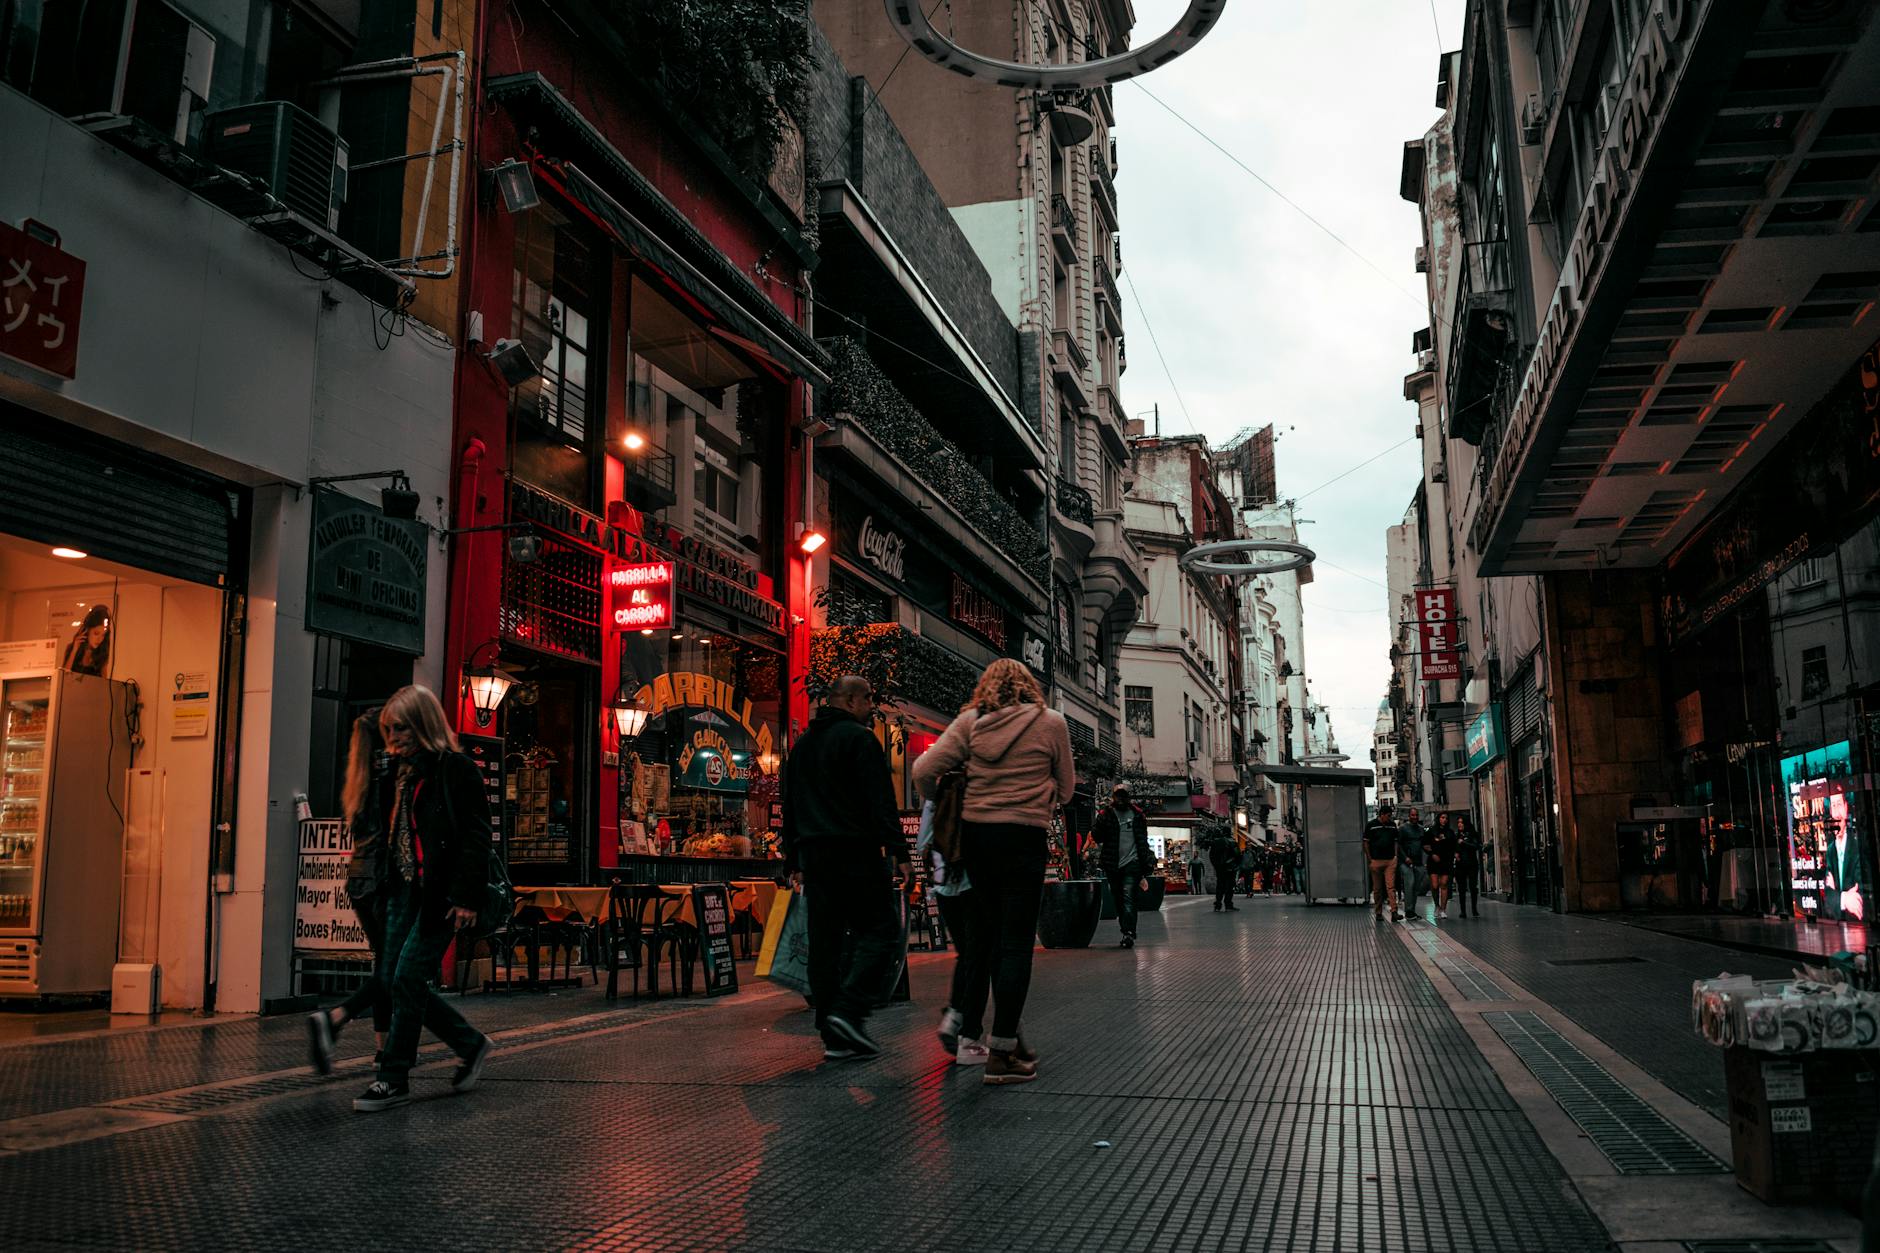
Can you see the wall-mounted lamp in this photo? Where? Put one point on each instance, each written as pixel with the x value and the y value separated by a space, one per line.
pixel 634 441
pixel 809 539
pixel 397 501
pixel 512 361
pixel 767 761
pixel 630 713
pixel 486 686
pixel 515 185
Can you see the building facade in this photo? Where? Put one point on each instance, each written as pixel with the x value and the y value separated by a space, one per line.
pixel 1653 344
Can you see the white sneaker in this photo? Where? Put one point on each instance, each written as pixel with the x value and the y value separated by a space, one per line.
pixel 971 1053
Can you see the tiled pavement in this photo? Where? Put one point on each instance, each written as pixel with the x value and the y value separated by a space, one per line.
pixel 1278 1078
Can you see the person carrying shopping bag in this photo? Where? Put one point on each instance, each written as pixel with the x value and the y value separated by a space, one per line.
pixel 959 1035
pixel 1017 758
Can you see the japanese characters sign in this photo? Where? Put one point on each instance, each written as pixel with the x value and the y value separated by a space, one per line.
pixel 1436 631
pixel 42 290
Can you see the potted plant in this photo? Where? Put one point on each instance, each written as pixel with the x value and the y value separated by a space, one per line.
pixel 1068 912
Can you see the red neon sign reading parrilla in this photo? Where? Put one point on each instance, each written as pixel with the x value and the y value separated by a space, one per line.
pixel 642 595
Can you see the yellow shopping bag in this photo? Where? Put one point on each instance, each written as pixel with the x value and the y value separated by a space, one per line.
pixel 773 929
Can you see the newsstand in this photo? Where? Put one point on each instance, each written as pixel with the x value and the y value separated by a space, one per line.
pixel 1802 1075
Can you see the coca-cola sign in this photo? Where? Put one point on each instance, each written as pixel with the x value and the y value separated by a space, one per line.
pixel 883 549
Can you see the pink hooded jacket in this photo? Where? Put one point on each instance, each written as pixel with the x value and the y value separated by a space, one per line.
pixel 1018 764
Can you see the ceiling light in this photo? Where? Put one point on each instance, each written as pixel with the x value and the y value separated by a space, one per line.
pixel 70 554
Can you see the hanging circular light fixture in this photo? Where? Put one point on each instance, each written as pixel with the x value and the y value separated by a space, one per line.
pixel 1197 20
pixel 1205 558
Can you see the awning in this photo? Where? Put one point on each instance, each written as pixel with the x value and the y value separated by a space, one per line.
pixel 626 204
pixel 1311 774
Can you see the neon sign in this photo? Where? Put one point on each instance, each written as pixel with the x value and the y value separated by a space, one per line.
pixel 642 595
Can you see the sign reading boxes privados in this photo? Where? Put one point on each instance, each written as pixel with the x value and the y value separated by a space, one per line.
pixel 366 574
pixel 324 921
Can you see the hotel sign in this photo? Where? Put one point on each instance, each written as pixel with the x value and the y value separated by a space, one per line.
pixel 1436 631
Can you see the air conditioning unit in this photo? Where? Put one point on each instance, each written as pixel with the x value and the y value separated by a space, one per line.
pixel 1426 360
pixel 1423 260
pixel 1533 119
pixel 300 161
pixel 141 59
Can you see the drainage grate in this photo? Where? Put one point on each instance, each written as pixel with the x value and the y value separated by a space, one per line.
pixel 1634 1136
pixel 1450 958
pixel 1758 1246
pixel 1594 961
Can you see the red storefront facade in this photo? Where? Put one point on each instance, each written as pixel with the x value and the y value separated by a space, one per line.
pixel 660 297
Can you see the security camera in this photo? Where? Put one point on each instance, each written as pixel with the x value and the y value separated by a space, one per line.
pixel 525 548
pixel 513 362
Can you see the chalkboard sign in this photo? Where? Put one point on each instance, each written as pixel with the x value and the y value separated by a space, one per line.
pixel 711 903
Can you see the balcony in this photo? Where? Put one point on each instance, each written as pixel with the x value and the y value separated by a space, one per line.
pixel 1110 423
pixel 1068 364
pixel 929 465
pixel 1482 338
pixel 1103 185
pixel 1075 520
pixel 1064 228
pixel 903 668
pixel 1075 503
pixel 1109 301
pixel 649 479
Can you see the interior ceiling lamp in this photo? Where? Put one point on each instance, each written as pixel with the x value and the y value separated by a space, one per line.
pixel 629 712
pixel 1197 20
pixel 487 686
pixel 1206 558
pixel 515 185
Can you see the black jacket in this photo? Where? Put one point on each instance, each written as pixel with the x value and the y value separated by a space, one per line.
pixel 1380 840
pixel 836 786
pixel 1224 853
pixel 452 815
pixel 1108 833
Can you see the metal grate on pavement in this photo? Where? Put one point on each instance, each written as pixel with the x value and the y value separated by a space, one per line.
pixel 1470 979
pixel 1636 1138
pixel 1758 1246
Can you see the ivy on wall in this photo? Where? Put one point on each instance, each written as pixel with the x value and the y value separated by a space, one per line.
pixel 901 666
pixel 858 387
pixel 740 67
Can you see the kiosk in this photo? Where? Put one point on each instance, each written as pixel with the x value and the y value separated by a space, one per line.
pixel 1331 820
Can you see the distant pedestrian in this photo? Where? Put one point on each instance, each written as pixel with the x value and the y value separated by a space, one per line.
pixel 959 1035
pixel 1411 862
pixel 1197 868
pixel 1123 853
pixel 1380 847
pixel 842 838
pixel 1467 877
pixel 1439 852
pixel 1019 771
pixel 365 802
pixel 1224 857
pixel 437 876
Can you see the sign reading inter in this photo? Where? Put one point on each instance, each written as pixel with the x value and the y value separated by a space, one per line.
pixel 366 574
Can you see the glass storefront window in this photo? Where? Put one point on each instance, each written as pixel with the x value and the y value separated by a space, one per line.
pixel 558 287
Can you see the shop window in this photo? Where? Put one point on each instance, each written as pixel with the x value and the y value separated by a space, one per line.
pixel 1139 709
pixel 715 482
pixel 559 285
pixel 852 602
pixel 1066 623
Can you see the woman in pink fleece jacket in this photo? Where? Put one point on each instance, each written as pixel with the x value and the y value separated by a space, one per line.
pixel 1017 756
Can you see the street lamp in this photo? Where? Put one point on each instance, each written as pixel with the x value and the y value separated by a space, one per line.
pixel 630 713
pixel 487 686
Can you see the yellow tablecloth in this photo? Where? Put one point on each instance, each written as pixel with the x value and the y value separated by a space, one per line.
pixel 566 904
pixel 754 897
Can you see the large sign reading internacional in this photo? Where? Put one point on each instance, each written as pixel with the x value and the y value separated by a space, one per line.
pixel 324 920
pixel 366 574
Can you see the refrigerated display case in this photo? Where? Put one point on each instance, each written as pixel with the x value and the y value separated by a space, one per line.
pixel 64 751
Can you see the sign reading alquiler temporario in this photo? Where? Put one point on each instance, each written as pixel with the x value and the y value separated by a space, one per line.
pixel 366 574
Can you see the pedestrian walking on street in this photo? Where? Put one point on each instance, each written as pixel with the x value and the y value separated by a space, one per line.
pixel 1439 852
pixel 1380 846
pixel 842 840
pixel 1019 771
pixel 437 876
pixel 1123 852
pixel 964 1038
pixel 1412 863
pixel 365 801
pixel 1467 877
pixel 1224 856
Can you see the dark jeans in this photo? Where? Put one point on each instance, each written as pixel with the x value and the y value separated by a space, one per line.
pixel 408 963
pixel 1007 862
pixel 371 993
pixel 1123 891
pixel 1467 884
pixel 957 913
pixel 850 893
pixel 1224 889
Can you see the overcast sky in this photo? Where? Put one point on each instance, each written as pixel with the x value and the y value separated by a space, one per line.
pixel 1263 317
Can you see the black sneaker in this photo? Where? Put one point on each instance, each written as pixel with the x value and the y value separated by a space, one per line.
pixel 833 1052
pixel 382 1095
pixel 471 1068
pixel 840 1030
pixel 320 1041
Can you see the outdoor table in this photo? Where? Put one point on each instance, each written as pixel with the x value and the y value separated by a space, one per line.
pixel 558 904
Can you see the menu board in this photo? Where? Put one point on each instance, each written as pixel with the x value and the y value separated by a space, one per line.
pixel 920 888
pixel 711 903
pixel 487 752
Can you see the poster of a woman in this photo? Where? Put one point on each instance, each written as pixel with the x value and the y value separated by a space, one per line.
pixel 89 651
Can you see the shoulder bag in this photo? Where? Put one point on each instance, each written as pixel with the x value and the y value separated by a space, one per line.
pixel 949 802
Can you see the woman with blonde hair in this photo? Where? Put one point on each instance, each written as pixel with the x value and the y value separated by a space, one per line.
pixel 1017 759
pixel 436 874
pixel 363 802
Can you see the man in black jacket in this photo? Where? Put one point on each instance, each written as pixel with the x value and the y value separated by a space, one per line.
pixel 1381 851
pixel 1122 835
pixel 841 830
